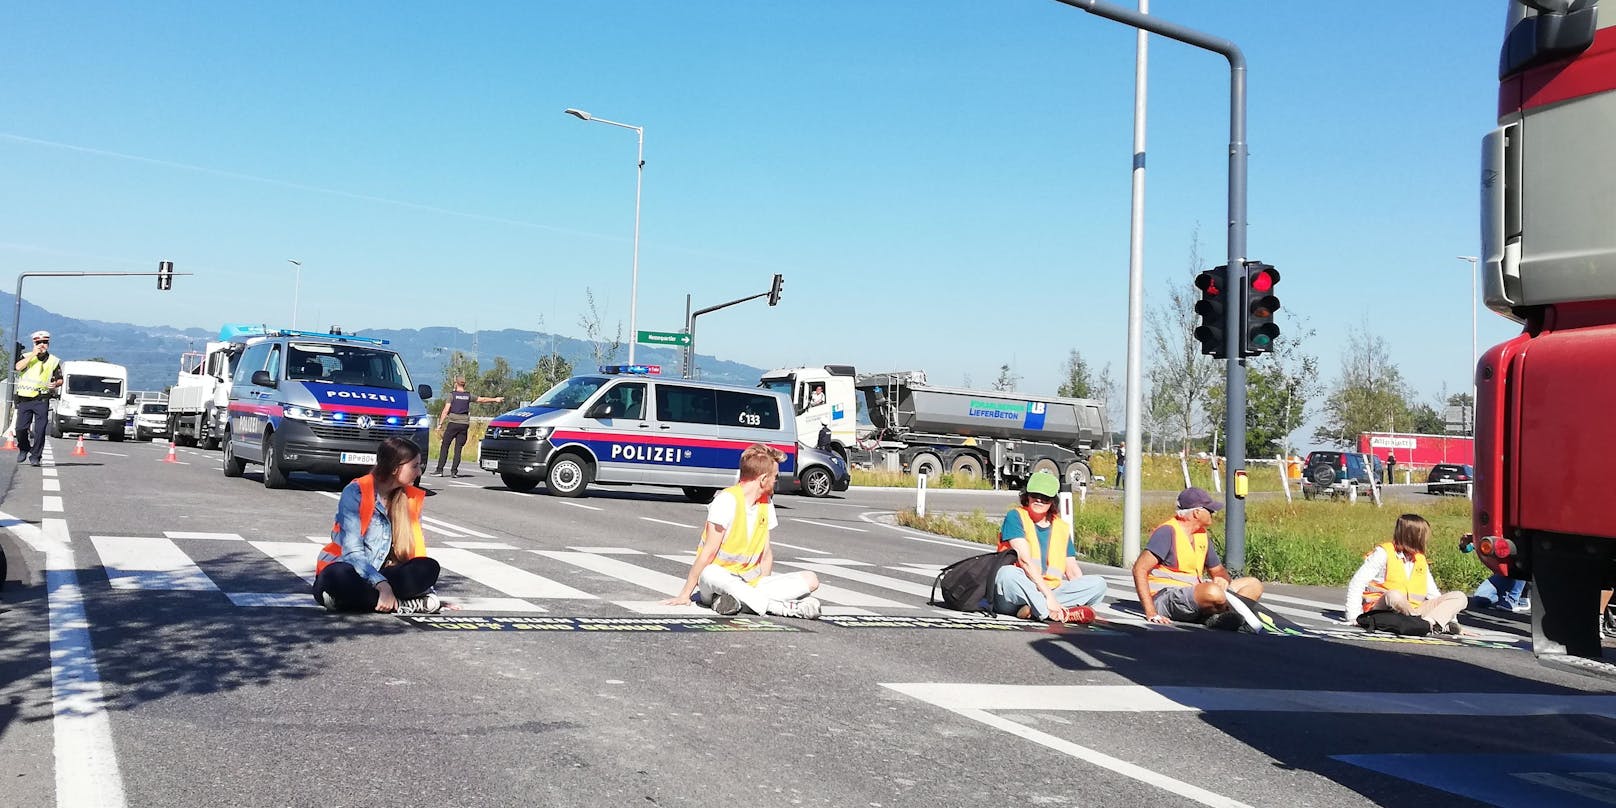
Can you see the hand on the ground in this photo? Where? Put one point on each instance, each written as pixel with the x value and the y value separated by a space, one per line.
pixel 677 601
pixel 1057 614
pixel 385 600
pixel 1159 619
pixel 450 607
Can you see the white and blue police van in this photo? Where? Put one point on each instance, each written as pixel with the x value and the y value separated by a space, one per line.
pixel 322 403
pixel 626 425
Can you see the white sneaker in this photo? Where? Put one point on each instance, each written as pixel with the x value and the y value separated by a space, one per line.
pixel 806 608
pixel 1239 607
pixel 426 604
pixel 330 603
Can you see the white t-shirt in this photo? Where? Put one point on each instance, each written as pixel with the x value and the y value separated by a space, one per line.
pixel 722 511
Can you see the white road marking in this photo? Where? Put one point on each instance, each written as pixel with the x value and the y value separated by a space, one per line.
pixel 134 562
pixel 50 485
pixel 657 607
pixel 181 534
pixel 481 545
pixel 607 550
pixel 827 524
pixel 798 547
pixel 581 505
pixel 1588 785
pixel 923 570
pixel 666 522
pixel 503 577
pixel 53 504
pixel 304 600
pixel 428 527
pixel 840 562
pixel 457 528
pixel 49 471
pixel 825 592
pixel 86 759
pixel 622 570
pixel 907 587
pixel 114 454
pixel 295 556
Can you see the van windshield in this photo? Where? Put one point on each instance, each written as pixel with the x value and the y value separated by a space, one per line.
pixel 357 365
pixel 98 386
pixel 570 394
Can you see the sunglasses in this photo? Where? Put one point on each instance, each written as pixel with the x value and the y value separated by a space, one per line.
pixel 41 342
pixel 1039 498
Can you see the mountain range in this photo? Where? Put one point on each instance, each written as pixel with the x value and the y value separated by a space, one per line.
pixel 152 353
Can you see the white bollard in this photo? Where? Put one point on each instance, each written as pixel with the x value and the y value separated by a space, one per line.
pixel 1352 494
pixel 1065 500
pixel 920 494
pixel 1284 476
pixel 1470 491
pixel 1083 495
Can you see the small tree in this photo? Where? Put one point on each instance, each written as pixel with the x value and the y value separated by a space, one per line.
pixel 1369 395
pixel 604 350
pixel 1008 379
pixel 1077 380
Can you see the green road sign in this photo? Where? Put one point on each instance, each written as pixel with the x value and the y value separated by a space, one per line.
pixel 664 338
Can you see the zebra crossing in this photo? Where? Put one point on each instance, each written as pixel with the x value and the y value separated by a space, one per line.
pixel 483 575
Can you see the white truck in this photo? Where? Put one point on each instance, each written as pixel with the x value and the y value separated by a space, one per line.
pixel 921 428
pixel 91 400
pixel 199 401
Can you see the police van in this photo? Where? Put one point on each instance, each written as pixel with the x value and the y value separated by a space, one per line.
pixel 305 401
pixel 624 425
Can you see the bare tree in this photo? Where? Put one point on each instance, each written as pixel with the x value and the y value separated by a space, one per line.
pixel 1180 375
pixel 1008 379
pixel 604 350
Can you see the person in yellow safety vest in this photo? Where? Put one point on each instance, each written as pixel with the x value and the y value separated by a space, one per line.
pixel 1045 580
pixel 38 375
pixel 734 567
pixel 1396 577
pixel 376 560
pixel 1171 575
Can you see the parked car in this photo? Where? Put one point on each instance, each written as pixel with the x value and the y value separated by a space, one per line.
pixel 1334 474
pixel 818 472
pixel 151 421
pixel 1449 478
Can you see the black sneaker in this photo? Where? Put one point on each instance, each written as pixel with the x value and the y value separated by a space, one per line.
pixel 1225 621
pixel 727 604
pixel 438 473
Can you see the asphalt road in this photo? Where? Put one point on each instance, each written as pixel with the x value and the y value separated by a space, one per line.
pixel 191 668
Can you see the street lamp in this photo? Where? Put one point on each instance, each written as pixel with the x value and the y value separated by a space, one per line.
pixel 297 288
pixel 639 177
pixel 1475 358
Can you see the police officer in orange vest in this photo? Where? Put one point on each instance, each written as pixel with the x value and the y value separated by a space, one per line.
pixel 38 375
pixel 376 559
pixel 1171 575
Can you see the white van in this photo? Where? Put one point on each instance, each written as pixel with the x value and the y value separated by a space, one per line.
pixel 91 400
pixel 624 426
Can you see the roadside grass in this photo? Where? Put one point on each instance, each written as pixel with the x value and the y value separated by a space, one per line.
pixel 469 455
pixel 1160 472
pixel 898 479
pixel 1318 543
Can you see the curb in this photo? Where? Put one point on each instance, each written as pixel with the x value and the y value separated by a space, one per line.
pixel 14 554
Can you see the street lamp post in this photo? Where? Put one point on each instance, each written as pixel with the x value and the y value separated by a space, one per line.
pixel 639 180
pixel 1475 357
pixel 297 287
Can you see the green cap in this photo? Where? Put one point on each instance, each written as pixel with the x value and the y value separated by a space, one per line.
pixel 1042 482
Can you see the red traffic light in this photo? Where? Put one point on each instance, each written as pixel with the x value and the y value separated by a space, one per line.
pixel 1263 280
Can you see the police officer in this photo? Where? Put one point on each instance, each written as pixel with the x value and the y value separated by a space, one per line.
pixel 38 374
pixel 455 421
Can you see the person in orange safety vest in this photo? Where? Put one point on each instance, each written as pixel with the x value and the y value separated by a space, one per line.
pixel 1395 576
pixel 1172 574
pixel 376 559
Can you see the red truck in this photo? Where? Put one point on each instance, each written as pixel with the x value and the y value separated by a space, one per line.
pixel 1546 400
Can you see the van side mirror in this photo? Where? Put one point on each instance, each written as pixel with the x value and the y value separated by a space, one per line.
pixel 602 410
pixel 262 378
pixel 424 391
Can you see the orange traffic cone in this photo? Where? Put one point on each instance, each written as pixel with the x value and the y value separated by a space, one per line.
pixel 11 441
pixel 171 458
pixel 78 451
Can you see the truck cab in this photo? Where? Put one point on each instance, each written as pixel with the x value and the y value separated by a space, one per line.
pixel 820 396
pixel 305 401
pixel 200 399
pixel 91 400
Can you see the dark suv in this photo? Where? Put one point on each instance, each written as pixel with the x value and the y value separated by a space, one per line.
pixel 1332 474
pixel 1449 478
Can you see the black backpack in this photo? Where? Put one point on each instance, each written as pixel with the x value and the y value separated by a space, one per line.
pixel 1405 625
pixel 967 584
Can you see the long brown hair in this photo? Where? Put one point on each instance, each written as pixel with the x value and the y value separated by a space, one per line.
pixel 390 455
pixel 1411 535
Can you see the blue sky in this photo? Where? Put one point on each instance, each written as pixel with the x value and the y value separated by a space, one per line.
pixel 944 184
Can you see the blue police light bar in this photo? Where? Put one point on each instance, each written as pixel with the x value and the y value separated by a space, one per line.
pixel 633 370
pixel 233 332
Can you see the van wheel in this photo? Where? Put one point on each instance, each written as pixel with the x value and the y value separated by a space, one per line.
pixel 55 428
pixel 274 475
pixel 568 476
pixel 817 482
pixel 699 495
pixel 141 436
pixel 520 485
pixel 116 437
pixel 233 466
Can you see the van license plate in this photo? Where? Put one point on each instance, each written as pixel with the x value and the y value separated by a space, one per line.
pixel 92 422
pixel 358 458
pixel 491 465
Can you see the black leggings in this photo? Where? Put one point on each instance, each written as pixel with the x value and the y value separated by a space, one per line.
pixel 455 434
pixel 353 593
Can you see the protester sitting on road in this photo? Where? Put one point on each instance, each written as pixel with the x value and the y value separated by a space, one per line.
pixel 1501 592
pixel 1171 575
pixel 1396 577
pixel 1045 581
pixel 734 567
pixel 376 560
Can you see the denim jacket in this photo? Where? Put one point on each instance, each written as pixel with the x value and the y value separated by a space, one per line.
pixel 366 553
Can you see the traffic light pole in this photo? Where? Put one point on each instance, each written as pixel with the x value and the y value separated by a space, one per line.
pixel 16 321
pixel 1235 377
pixel 690 328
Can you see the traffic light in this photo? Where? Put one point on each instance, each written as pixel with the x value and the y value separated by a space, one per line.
pixel 1261 330
pixel 774 290
pixel 1214 286
pixel 165 275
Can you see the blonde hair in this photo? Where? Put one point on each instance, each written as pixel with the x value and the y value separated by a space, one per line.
pixel 398 514
pixel 759 460
pixel 1412 533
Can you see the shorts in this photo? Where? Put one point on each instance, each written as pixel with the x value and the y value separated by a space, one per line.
pixel 1177 603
